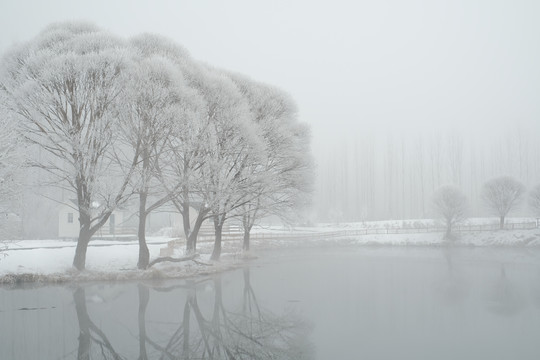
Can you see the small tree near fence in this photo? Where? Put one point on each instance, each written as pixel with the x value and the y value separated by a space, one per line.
pixel 502 195
pixel 451 205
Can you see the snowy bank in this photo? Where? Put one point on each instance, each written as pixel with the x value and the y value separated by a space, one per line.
pixel 51 260
pixel 26 261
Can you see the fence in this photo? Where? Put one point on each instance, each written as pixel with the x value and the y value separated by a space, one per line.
pixel 367 231
pixel 317 234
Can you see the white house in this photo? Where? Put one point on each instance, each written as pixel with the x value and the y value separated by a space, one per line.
pixel 68 222
pixel 123 222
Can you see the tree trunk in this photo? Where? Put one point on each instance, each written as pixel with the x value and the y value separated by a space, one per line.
pixel 79 261
pixel 144 254
pixel 218 227
pixel 191 243
pixel 186 221
pixel 247 230
pixel 245 246
pixel 501 222
pixel 448 235
pixel 144 297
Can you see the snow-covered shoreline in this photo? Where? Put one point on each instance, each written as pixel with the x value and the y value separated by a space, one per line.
pixel 50 261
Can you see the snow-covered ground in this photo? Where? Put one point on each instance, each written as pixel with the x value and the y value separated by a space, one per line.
pixel 50 260
pixel 420 223
pixel 55 256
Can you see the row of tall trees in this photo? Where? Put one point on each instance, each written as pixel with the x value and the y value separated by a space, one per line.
pixel 501 195
pixel 140 118
pixel 392 175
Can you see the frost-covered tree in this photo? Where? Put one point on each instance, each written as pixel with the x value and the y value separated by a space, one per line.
pixel 285 174
pixel 180 177
pixel 119 118
pixel 10 158
pixel 11 166
pixel 156 96
pixel 501 195
pixel 178 172
pixel 63 86
pixel 450 204
pixel 209 153
pixel 534 200
pixel 231 143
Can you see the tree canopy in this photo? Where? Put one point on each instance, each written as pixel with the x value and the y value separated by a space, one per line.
pixel 120 118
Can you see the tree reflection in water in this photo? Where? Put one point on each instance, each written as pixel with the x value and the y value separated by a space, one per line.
pixel 451 289
pixel 536 290
pixel 90 334
pixel 503 297
pixel 144 297
pixel 249 332
pixel 216 332
pixel 246 333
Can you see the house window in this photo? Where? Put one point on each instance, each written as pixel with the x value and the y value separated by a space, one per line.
pixel 70 218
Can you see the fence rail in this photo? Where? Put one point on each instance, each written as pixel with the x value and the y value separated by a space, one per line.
pixel 322 234
pixel 367 231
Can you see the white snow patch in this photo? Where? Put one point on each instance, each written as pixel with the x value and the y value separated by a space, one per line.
pixel 116 260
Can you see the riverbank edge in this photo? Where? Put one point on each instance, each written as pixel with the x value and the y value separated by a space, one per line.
pixel 237 258
pixel 159 272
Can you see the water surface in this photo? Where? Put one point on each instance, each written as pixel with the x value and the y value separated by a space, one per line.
pixel 346 303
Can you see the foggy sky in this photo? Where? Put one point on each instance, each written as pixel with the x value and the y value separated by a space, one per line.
pixel 358 70
pixel 349 65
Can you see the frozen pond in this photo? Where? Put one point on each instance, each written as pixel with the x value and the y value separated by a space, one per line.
pixel 347 303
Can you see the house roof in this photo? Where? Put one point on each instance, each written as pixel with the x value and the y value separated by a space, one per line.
pixel 73 204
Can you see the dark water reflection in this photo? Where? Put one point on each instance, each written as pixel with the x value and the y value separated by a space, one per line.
pixel 194 319
pixel 371 303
